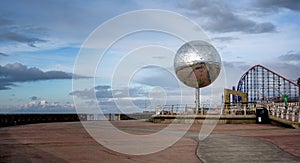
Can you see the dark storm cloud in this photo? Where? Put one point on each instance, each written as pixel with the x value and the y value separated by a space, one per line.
pixel 275 5
pixel 15 37
pixel 220 17
pixel 11 73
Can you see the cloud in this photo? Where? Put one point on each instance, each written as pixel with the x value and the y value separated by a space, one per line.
pixel 224 39
pixel 4 85
pixel 3 54
pixel 156 77
pixel 234 64
pixel 43 106
pixel 12 33
pixel 275 5
pixel 234 71
pixel 106 92
pixel 33 98
pixel 4 21
pixel 66 23
pixel 218 16
pixel 11 73
pixel 108 102
pixel 15 37
pixel 287 65
pixel 100 92
pixel 290 56
pixel 84 94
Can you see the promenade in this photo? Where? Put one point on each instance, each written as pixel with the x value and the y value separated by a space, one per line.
pixel 69 142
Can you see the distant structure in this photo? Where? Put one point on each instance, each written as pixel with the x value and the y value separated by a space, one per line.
pixel 263 84
pixel 236 96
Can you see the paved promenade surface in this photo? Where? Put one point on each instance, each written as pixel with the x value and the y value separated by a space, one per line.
pixel 220 147
pixel 69 142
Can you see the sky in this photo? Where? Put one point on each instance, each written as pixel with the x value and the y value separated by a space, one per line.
pixel 42 41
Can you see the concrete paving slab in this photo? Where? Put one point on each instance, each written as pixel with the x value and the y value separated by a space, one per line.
pixel 231 148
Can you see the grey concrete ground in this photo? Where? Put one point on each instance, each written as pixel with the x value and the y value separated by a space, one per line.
pixel 231 148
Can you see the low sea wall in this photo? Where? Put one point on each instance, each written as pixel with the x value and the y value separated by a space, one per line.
pixel 284 122
pixel 20 119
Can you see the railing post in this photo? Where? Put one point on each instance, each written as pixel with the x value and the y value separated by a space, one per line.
pixel 282 112
pixel 287 113
pixel 298 114
pixel 293 114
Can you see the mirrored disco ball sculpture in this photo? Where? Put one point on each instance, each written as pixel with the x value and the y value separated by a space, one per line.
pixel 197 64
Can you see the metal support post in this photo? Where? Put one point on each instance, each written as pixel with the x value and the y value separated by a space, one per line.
pixel 197 100
pixel 298 82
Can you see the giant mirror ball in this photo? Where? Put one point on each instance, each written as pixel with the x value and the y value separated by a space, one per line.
pixel 197 64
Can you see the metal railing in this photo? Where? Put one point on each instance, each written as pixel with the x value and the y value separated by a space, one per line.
pixel 290 113
pixel 187 109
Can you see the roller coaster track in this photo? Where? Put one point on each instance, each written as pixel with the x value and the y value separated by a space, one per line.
pixel 263 84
